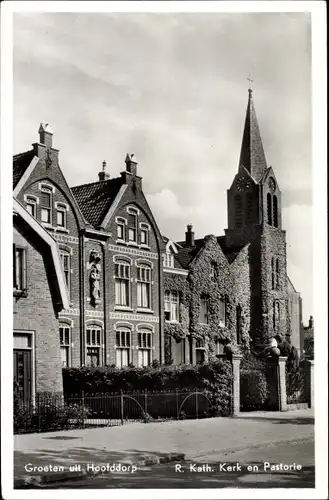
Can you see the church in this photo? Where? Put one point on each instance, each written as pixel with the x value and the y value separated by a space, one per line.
pixel 132 295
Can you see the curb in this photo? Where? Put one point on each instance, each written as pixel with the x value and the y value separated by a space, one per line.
pixel 39 480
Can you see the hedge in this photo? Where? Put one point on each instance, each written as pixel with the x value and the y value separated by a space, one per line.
pixel 215 378
pixel 253 390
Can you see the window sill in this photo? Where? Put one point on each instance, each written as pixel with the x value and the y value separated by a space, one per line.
pixel 174 321
pixel 46 225
pixel 59 229
pixel 123 308
pixel 132 244
pixel 144 310
pixel 122 242
pixel 145 247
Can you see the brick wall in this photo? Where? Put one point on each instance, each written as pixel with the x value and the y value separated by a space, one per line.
pixel 42 321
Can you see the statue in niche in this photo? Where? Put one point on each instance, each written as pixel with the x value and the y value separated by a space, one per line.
pixel 94 277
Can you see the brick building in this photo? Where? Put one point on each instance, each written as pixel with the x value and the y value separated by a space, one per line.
pixel 135 296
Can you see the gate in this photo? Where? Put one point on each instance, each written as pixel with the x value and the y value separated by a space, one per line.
pixel 296 384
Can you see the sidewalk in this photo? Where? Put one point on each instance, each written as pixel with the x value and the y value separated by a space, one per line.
pixel 142 444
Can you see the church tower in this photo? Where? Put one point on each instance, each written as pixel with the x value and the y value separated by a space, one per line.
pixel 254 216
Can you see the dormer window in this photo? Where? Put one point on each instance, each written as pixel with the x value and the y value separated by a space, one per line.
pixel 168 259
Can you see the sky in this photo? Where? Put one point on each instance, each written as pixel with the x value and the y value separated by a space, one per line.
pixel 172 88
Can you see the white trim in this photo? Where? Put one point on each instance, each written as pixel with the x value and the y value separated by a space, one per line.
pixel 33 358
pixel 91 313
pixel 114 206
pixel 94 321
pixel 145 224
pixel 133 251
pixel 25 176
pixel 66 321
pixel 124 257
pixel 132 210
pixel 124 324
pixel 73 312
pixel 134 317
pixel 44 184
pixel 65 239
pixel 147 262
pixel 47 238
pixel 172 270
pixel 66 248
pixel 122 221
pixel 145 325
pixel 35 198
pixel 171 244
pixel 61 204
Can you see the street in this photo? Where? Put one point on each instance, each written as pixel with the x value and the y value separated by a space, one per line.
pixel 216 470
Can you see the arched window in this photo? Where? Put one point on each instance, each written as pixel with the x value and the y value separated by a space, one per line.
pixel 122 346
pixel 238 210
pixel 275 211
pixel 249 208
pixel 122 283
pixel 144 286
pixel 144 346
pixel 269 209
pixel 272 273
pixel 93 344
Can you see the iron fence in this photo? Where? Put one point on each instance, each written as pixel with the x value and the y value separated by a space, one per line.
pixel 57 411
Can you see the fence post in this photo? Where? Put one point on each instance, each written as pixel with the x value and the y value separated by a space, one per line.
pixel 121 404
pixel 177 407
pixel 276 379
pixel 83 408
pixel 196 405
pixel 310 382
pixel 236 360
pixel 145 401
pixel 282 383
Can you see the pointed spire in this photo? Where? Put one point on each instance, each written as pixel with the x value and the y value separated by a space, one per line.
pixel 252 155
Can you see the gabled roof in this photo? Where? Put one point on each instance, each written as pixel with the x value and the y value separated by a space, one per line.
pixel 186 254
pixel 57 276
pixel 21 162
pixel 96 198
pixel 252 155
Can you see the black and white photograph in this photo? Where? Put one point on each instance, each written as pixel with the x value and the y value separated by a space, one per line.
pixel 162 178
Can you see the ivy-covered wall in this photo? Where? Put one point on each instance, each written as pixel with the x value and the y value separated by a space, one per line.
pixel 210 274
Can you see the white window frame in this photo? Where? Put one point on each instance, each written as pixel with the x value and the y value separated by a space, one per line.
pixel 20 283
pixel 49 189
pixel 31 200
pixel 63 208
pixel 66 345
pixel 204 299
pixel 133 211
pixel 31 334
pixel 95 345
pixel 144 280
pixel 222 320
pixel 66 253
pixel 144 347
pixel 121 279
pixel 122 222
pixel 168 260
pixel 123 347
pixel 171 304
pixel 145 228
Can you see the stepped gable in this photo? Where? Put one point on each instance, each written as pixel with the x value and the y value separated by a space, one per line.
pixel 96 198
pixel 186 254
pixel 21 162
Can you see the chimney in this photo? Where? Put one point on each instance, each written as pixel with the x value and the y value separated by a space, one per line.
pixel 131 164
pixel 189 236
pixel 45 135
pixel 311 322
pixel 103 175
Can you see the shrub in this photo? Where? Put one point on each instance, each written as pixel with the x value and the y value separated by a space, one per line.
pixel 253 389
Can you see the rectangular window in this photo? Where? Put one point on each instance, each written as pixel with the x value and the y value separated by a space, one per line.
pixel 19 258
pixel 46 202
pixel 66 264
pixel 122 280
pixel 61 217
pixel 144 237
pixel 31 206
pixel 93 341
pixel 120 231
pixel 64 336
pixel 222 312
pixel 171 306
pixel 200 351
pixel 123 341
pixel 168 260
pixel 204 310
pixel 144 287
pixel 132 224
pixel 144 347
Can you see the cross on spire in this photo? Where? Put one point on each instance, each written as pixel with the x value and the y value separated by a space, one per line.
pixel 250 82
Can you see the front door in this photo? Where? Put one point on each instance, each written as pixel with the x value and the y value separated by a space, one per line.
pixel 23 374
